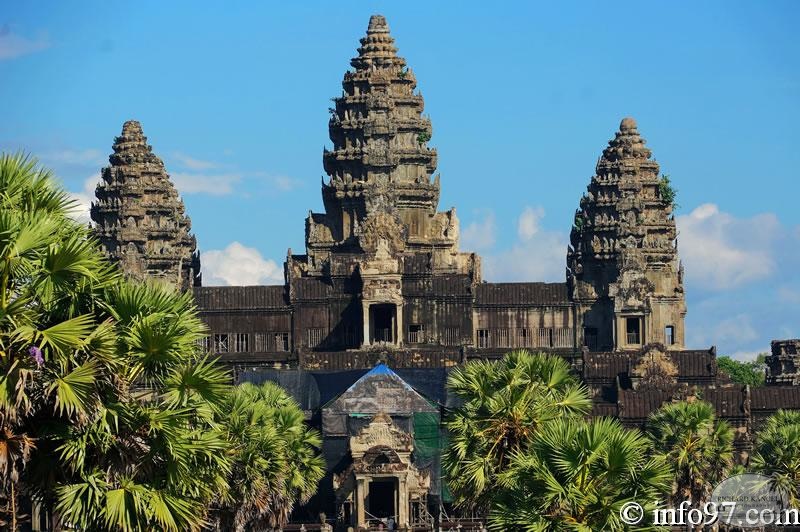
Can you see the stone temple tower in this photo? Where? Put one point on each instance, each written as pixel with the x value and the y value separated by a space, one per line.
pixel 623 269
pixel 139 218
pixel 380 166
pixel 381 238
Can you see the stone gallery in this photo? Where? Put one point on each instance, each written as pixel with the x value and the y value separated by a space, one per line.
pixel 383 302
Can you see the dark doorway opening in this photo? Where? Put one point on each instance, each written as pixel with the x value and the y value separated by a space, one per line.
pixel 382 320
pixel 381 498
pixel 633 331
pixel 590 338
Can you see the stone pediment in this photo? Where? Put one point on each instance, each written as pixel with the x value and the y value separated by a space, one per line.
pixel 381 439
pixel 655 370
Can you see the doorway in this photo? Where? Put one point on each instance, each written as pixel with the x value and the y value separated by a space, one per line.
pixel 380 502
pixel 382 320
pixel 633 331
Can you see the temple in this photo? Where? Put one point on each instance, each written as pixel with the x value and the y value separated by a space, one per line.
pixel 383 302
pixel 139 218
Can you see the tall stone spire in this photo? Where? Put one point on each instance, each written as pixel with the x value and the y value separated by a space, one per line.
pixel 378 132
pixel 139 217
pixel 623 259
pixel 380 167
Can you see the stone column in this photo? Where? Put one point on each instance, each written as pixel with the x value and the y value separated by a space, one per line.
pixel 361 497
pixel 399 323
pixel 365 312
pixel 402 506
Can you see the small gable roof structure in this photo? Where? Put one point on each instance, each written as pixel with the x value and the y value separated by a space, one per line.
pixel 380 390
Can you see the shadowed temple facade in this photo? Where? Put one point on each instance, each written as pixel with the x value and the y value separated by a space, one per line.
pixel 383 302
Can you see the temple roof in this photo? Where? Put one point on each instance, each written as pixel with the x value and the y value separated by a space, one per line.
pixel 377 47
pixel 521 294
pixel 380 390
pixel 212 298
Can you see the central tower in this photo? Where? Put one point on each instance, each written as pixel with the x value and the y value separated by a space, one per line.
pixel 380 226
pixel 380 165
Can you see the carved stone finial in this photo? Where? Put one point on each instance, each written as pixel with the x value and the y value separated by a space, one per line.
pixel 627 125
pixel 131 128
pixel 377 24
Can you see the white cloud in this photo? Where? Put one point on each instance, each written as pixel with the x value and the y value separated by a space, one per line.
pixel 193 164
pixel 528 223
pixel 733 331
pixel 195 180
pixel 13 45
pixel 238 265
pixel 83 199
pixel 721 251
pixel 480 234
pixel 278 183
pixel 283 183
pixel 215 185
pixel 88 157
pixel 536 255
pixel 542 257
pixel 737 329
pixel 747 356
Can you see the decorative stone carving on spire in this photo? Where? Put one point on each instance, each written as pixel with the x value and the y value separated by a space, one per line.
pixel 380 167
pixel 378 132
pixel 139 217
pixel 623 241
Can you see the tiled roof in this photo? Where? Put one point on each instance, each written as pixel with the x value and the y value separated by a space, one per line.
pixel 311 288
pixel 728 402
pixel 697 363
pixel 605 367
pixel 638 404
pixel 604 409
pixel 775 397
pixel 239 297
pixel 522 294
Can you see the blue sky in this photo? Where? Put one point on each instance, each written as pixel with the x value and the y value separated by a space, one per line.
pixel 523 98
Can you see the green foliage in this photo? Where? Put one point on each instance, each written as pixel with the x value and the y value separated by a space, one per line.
pixel 667 192
pixel 577 475
pixel 504 405
pixel 109 411
pixel 697 447
pixel 578 221
pixel 275 458
pixel 752 372
pixel 777 453
pixel 521 450
pixel 423 137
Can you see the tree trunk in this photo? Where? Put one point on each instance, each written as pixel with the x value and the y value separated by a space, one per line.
pixel 13 507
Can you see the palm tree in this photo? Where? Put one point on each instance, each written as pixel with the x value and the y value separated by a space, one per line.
pixel 48 331
pixel 777 453
pixel 504 405
pixel 276 459
pixel 577 475
pixel 156 456
pixel 698 447
pixel 108 410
